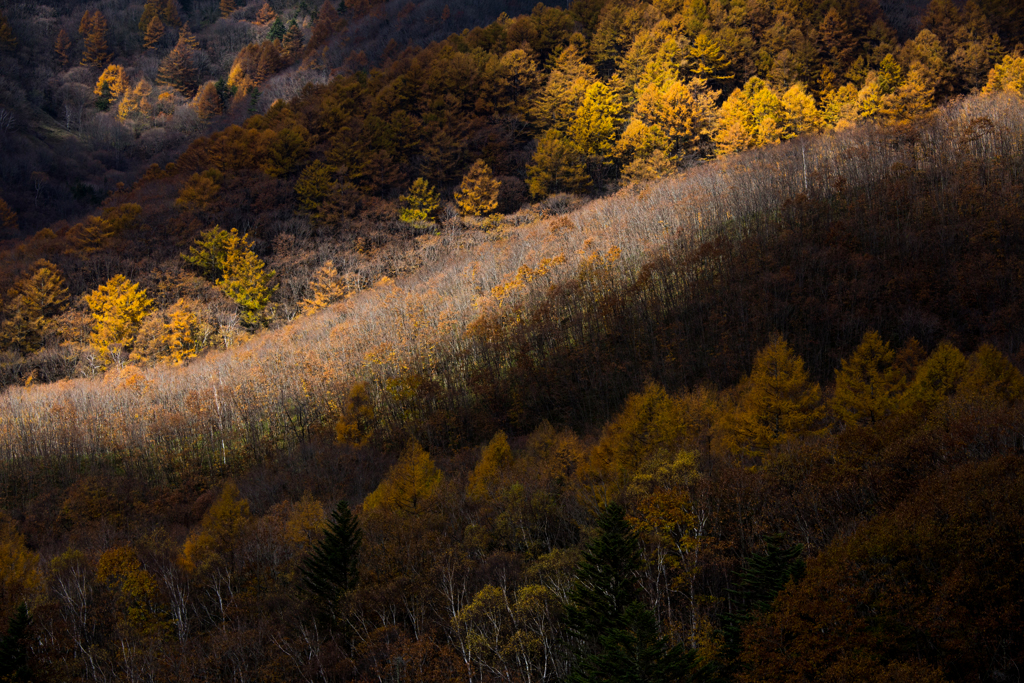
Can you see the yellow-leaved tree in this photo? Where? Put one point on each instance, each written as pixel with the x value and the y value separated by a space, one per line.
pixel 777 402
pixel 937 378
pixel 199 192
pixel 869 383
pixel 214 542
pixel 313 186
pixel 110 86
pixel 990 376
pixel 477 195
pixel 1007 75
pixel 227 258
pixel 34 301
pixel 118 308
pixel 420 204
pixel 325 288
pixel 136 593
pixel 20 576
pixel 495 459
pixel 355 424
pixel 8 218
pixel 409 486
pixel 244 279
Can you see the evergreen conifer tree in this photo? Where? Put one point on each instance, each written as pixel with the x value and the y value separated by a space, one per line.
pixel 756 585
pixel 13 647
pixel 330 570
pixel 616 634
pixel 277 29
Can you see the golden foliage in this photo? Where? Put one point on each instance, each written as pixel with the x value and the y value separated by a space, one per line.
pixel 420 203
pixel 477 195
pixel 409 486
pixel 118 308
pixel 495 459
pixel 869 383
pixel 777 403
pixel 326 288
pixel 220 529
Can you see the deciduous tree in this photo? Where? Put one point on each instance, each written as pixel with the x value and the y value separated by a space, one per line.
pixel 869 383
pixel 118 308
pixel 477 195
pixel 94 27
pixel 420 203
pixel 154 34
pixel 62 48
pixel 778 402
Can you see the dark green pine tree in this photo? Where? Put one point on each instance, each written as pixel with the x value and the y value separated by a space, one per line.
pixel 277 30
pixel 616 635
pixel 14 649
pixel 330 570
pixel 762 577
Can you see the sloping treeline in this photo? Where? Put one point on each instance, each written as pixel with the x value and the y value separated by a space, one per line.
pixel 579 100
pixel 913 232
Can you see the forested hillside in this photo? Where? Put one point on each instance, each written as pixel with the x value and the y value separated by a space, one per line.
pixel 92 93
pixel 623 341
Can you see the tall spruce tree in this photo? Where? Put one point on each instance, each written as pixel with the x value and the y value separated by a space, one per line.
pixel 616 634
pixel 13 647
pixel 330 570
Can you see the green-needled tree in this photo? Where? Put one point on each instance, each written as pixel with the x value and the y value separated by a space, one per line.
pixel 329 571
pixel 616 635
pixel 13 647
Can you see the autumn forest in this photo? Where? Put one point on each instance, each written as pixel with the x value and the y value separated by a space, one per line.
pixel 612 340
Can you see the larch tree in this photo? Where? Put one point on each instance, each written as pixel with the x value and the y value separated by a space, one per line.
pixel 34 301
pixel 227 7
pixel 292 41
pixel 410 485
pixel 495 459
pixel 325 288
pixel 134 106
pixel 110 86
pixel 266 15
pixel 208 103
pixel 8 218
pixel 94 27
pixel 937 378
pixel 313 186
pixel 1007 75
pixel 778 402
pixel 596 126
pixel 62 48
pixel 244 278
pixel 477 195
pixel 178 69
pixel 556 166
pixel 420 203
pixel 707 61
pixel 154 33
pixel 117 307
pixel 8 40
pixel 869 383
pixel 990 376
